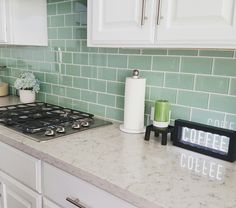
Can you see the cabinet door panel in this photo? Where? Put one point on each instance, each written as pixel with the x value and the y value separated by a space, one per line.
pixel 3 32
pixel 195 23
pixel 49 204
pixel 16 195
pixel 121 22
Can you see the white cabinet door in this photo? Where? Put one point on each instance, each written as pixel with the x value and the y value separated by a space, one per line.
pixel 197 23
pixel 16 195
pixel 3 31
pixel 121 22
pixel 49 204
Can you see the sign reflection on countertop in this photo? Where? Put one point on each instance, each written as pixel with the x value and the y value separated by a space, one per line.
pixel 202 166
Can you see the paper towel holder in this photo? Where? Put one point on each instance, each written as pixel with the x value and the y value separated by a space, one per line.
pixel 135 75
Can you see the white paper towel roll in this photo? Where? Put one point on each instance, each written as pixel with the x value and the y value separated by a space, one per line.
pixel 134 105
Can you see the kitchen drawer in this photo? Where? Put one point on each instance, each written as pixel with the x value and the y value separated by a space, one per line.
pixel 20 166
pixel 59 185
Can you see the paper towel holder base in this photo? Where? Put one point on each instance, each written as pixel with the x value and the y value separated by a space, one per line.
pixel 132 131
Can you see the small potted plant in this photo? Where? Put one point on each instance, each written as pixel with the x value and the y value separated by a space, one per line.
pixel 28 86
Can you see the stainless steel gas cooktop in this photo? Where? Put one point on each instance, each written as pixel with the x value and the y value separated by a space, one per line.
pixel 42 121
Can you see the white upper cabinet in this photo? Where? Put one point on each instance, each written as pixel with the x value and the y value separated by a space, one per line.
pixel 118 22
pixel 201 23
pixel 173 23
pixel 23 22
pixel 3 29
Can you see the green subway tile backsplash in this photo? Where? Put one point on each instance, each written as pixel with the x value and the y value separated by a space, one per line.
pixel 200 84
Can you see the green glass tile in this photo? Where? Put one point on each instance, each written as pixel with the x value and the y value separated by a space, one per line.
pixel 116 88
pixel 80 105
pixel 196 65
pixel 118 61
pixel 41 97
pixel 57 21
pixel 54 1
pixel 162 63
pixel 122 74
pixel 52 78
pixel 88 96
pixel 66 80
pixel 158 93
pixel 148 106
pixel 97 85
pixel 84 48
pixel 40 76
pixel 67 58
pixel 183 52
pixel 140 62
pixel 73 70
pixel 98 59
pixel 106 99
pixel 83 18
pixel 89 71
pixel 52 33
pixel 50 56
pixel 193 99
pixel 65 102
pixel 58 90
pixel 80 83
pixel 180 112
pixel 79 33
pixel 107 74
pixel 73 93
pixel 108 50
pixel 52 99
pixel 72 20
pixel 230 122
pixel 51 9
pixel 181 81
pixel 207 117
pixel 21 64
pixel 73 45
pixel 58 44
pixel 64 33
pixel 65 7
pixel 115 114
pixel 80 58
pixel 153 78
pixel 45 67
pixel 226 67
pixel 223 103
pixel 216 53
pixel 120 100
pixel 80 6
pixel 98 110
pixel 233 86
pixel 212 84
pixel 129 51
pixel 37 55
pixel 45 87
pixel 154 51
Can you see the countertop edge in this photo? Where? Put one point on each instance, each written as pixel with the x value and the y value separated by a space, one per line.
pixel 77 172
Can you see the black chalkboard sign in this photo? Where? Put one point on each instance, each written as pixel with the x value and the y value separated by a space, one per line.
pixel 209 140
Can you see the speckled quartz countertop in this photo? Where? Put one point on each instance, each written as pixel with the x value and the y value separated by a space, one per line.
pixel 145 174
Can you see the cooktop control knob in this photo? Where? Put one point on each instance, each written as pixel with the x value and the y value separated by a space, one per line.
pixel 85 123
pixel 60 129
pixel 49 132
pixel 76 125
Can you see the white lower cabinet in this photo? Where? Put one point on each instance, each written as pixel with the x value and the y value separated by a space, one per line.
pixel 48 204
pixel 71 192
pixel 16 195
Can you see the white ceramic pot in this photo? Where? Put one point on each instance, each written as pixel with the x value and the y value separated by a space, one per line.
pixel 27 96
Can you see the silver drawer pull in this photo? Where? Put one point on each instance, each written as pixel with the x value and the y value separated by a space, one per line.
pixel 75 202
pixel 143 12
pixel 159 12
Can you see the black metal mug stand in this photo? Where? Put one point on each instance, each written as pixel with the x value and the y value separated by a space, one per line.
pixel 157 131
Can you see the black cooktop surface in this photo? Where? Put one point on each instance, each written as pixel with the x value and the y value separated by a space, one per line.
pixel 42 121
